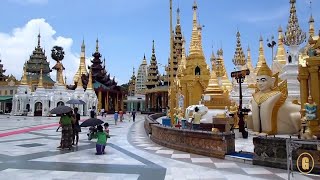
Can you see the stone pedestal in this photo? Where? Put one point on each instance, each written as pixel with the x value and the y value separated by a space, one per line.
pixel 272 152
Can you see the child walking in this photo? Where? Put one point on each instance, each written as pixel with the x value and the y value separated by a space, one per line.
pixel 102 140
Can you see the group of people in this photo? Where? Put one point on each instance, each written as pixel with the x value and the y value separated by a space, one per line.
pixel 69 122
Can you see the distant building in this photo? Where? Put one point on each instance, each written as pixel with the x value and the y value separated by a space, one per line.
pixel 135 97
pixel 8 87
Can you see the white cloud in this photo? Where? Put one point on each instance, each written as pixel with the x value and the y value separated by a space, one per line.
pixel 17 46
pixel 26 2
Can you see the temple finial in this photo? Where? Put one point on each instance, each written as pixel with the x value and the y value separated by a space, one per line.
pixel 153 51
pixel 239 57
pixel 97 45
pixel 39 37
pixel 178 15
pixel 83 46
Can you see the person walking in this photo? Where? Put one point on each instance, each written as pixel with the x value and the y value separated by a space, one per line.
pixel 121 115
pixel 66 121
pixel 133 114
pixel 76 127
pixel 115 116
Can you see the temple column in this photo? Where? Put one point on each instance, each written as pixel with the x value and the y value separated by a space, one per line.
pixel 99 100
pixel 107 102
pixel 117 102
pixel 121 102
pixel 304 86
pixel 315 84
pixel 147 99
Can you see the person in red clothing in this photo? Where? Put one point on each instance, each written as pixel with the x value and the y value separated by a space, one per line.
pixel 121 115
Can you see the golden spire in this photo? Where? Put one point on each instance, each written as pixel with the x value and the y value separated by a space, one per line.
pixel 249 62
pixel 221 71
pixel 40 85
pixel 82 66
pixel 97 45
pixel 195 44
pixel 311 26
pixel 281 52
pixel 261 58
pixel 264 70
pixel 89 85
pixel 239 58
pixel 213 61
pixel 79 84
pixel 24 79
pixel 294 36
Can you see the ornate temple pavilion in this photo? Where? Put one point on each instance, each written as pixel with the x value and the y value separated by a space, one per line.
pixel 110 95
pixel 37 93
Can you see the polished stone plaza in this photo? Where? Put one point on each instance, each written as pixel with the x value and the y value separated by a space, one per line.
pixel 28 151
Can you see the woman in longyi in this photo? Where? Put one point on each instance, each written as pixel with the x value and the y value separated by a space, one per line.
pixel 271 114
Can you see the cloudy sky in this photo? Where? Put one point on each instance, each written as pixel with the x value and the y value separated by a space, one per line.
pixel 126 28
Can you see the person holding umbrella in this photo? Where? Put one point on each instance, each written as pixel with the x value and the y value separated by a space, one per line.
pixel 66 121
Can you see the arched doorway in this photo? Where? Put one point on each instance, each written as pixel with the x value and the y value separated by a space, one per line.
pixel 28 107
pixel 197 71
pixel 60 103
pixel 290 59
pixel 38 109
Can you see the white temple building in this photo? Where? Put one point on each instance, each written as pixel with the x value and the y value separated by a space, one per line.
pixel 37 93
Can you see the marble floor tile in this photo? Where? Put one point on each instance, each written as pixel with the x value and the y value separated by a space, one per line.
pixel 226 165
pixel 180 156
pixel 256 171
pixel 164 151
pixel 201 160
pixel 153 148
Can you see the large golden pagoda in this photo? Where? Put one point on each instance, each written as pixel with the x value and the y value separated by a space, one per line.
pixel 197 73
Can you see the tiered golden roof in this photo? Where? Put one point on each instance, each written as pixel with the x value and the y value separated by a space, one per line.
pixel 281 51
pixel 213 86
pixel 90 85
pixel 294 35
pixel 153 73
pixel 24 79
pixel 82 66
pixel 239 58
pixel 221 71
pixel 261 58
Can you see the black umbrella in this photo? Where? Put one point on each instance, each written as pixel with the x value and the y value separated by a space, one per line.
pixel 61 110
pixel 91 122
pixel 75 101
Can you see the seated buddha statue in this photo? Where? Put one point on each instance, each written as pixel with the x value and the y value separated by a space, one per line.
pixel 310 109
pixel 271 114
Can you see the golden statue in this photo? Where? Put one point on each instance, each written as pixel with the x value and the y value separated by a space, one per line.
pixel 271 114
pixel 233 109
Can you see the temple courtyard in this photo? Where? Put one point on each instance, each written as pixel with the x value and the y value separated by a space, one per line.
pixel 28 151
